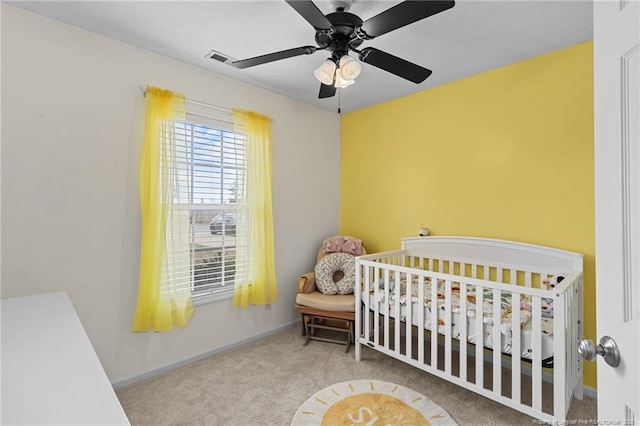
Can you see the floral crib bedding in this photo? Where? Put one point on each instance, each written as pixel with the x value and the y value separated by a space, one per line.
pixel 506 309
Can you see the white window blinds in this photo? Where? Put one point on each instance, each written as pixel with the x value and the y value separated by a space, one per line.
pixel 212 173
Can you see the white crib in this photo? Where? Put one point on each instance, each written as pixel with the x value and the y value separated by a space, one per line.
pixel 464 275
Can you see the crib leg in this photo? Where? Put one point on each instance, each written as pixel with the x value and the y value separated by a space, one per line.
pixel 356 339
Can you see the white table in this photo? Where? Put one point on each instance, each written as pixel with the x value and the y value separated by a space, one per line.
pixel 50 372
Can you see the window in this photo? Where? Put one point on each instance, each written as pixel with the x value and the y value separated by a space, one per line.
pixel 195 175
pixel 212 176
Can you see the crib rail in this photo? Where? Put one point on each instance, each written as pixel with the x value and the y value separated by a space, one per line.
pixel 426 337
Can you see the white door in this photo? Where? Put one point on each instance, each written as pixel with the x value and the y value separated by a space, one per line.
pixel 617 181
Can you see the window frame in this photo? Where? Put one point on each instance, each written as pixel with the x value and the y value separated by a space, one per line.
pixel 225 290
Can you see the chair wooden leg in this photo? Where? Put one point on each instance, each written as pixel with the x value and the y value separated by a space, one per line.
pixel 351 325
pixel 314 320
pixel 304 325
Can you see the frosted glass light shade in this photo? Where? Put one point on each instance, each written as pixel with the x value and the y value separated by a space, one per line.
pixel 324 73
pixel 341 82
pixel 349 68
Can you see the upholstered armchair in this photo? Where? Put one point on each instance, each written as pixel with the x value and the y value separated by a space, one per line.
pixel 321 299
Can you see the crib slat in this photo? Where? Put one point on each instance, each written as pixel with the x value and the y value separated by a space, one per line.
pixel 515 347
pixel 448 332
pixel 434 323
pixel 536 331
pixel 360 308
pixel 409 321
pixel 463 331
pixel 366 298
pixel 421 323
pixel 479 337
pixel 376 305
pixel 387 301
pixel 497 339
pixel 396 306
pixel 527 279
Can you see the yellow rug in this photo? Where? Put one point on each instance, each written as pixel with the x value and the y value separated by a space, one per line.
pixel 370 402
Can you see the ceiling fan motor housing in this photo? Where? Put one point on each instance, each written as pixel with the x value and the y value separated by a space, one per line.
pixel 343 37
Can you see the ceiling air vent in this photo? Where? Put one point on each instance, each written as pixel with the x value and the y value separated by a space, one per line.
pixel 220 57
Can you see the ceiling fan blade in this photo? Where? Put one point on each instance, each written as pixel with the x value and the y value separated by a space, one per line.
pixel 394 65
pixel 309 11
pixel 275 56
pixel 326 91
pixel 402 14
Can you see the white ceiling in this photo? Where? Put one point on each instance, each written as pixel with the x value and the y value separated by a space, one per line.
pixel 473 37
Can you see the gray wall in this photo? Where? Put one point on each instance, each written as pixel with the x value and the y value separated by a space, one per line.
pixel 72 122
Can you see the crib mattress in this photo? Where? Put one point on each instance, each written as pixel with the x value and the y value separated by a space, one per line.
pixel 506 332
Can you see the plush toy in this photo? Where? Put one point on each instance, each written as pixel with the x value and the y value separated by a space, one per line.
pixel 552 282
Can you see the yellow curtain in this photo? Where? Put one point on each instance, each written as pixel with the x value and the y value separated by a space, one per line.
pixel 164 297
pixel 260 287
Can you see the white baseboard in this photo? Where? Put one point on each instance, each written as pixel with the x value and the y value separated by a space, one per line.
pixel 127 381
pixel 590 392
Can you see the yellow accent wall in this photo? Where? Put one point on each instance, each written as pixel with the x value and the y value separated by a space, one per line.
pixel 504 154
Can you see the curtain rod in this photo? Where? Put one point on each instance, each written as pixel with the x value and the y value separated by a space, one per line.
pixel 191 101
pixel 203 104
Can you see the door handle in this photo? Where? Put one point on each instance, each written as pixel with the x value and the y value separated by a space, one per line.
pixel 607 349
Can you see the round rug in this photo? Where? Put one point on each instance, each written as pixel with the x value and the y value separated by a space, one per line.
pixel 369 402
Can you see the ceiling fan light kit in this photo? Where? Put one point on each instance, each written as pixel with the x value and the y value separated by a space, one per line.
pixel 341 75
pixel 340 32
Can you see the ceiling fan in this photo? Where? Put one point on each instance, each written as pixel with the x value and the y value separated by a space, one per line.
pixel 340 32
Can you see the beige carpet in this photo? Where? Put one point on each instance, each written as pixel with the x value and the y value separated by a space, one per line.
pixel 266 381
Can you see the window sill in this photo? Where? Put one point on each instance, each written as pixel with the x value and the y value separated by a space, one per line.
pixel 204 299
